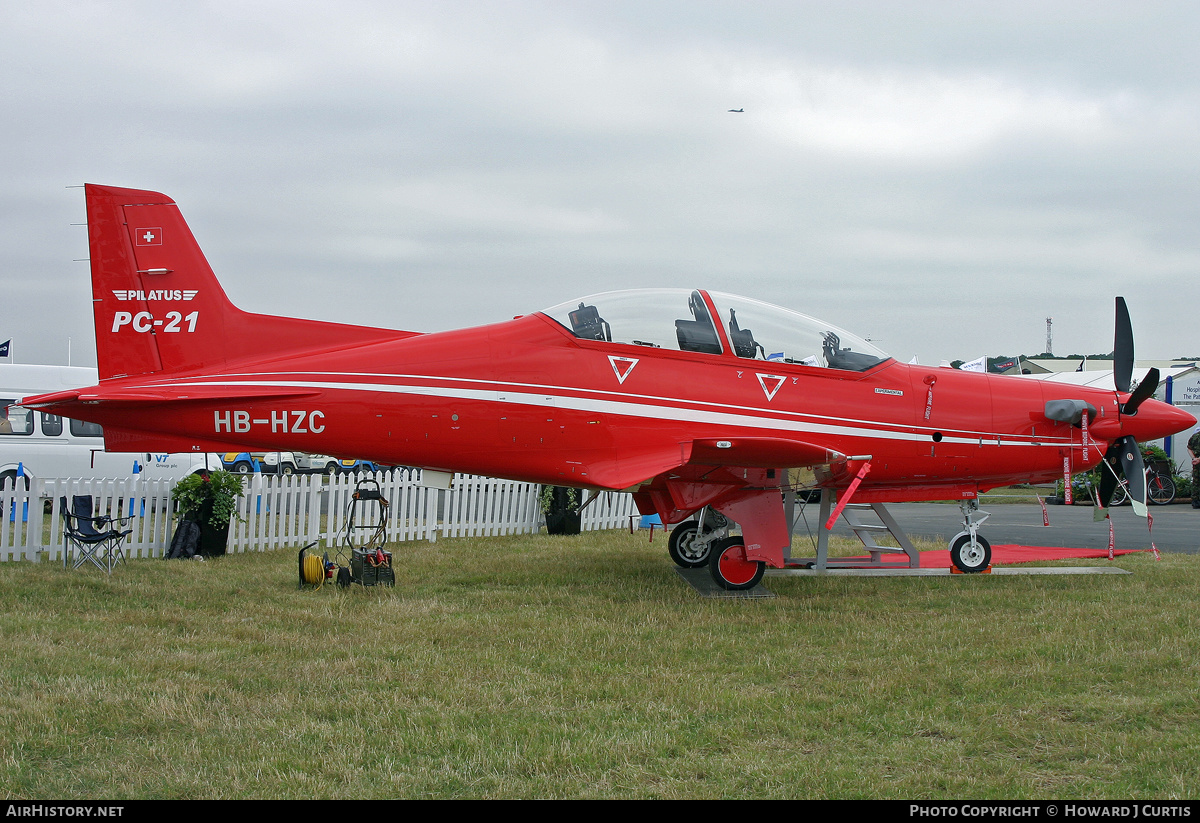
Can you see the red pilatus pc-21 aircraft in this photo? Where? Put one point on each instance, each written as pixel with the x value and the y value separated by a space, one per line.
pixel 697 402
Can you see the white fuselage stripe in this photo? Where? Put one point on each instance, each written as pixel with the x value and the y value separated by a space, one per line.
pixel 651 408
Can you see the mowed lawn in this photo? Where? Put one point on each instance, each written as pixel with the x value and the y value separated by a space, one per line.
pixel 584 667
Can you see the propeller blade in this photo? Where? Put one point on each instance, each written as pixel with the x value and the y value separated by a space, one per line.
pixel 1108 474
pixel 1135 473
pixel 1144 389
pixel 1123 348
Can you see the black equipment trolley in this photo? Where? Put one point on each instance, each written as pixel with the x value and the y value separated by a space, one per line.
pixel 363 538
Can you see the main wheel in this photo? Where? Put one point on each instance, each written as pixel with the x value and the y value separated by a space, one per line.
pixel 731 569
pixel 970 558
pixel 242 467
pixel 8 480
pixel 684 549
pixel 1160 489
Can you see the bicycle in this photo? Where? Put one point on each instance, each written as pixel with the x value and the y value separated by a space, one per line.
pixel 1160 488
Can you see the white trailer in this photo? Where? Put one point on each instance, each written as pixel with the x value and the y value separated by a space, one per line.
pixel 47 446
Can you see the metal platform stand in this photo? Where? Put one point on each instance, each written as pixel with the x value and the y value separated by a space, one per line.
pixel 866 531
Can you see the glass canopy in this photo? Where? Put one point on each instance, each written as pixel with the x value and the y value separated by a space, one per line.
pixel 684 321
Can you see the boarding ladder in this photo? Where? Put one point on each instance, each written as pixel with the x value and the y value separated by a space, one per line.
pixel 866 531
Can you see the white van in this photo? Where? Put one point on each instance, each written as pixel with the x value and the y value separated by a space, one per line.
pixel 47 446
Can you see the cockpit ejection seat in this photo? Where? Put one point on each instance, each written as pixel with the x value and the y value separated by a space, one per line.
pixel 744 344
pixel 587 324
pixel 697 335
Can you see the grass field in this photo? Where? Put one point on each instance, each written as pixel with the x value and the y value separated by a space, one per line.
pixel 583 667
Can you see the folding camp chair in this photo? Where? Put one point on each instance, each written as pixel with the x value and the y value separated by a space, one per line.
pixel 87 538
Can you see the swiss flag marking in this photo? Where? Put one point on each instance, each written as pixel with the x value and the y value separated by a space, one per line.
pixel 622 366
pixel 770 384
pixel 148 237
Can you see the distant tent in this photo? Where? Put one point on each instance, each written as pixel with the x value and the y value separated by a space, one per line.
pixel 1030 367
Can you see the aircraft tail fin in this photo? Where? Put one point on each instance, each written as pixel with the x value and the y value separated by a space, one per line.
pixel 158 306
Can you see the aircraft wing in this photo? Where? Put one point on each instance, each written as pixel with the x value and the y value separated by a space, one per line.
pixel 633 468
pixel 762 453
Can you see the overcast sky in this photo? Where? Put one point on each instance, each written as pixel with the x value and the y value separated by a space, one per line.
pixel 938 177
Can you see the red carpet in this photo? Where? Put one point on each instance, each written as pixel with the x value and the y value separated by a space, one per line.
pixel 1009 555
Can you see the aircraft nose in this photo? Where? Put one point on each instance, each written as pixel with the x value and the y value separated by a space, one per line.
pixel 1155 419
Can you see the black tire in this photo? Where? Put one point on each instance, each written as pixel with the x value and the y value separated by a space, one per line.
pixel 287 468
pixel 331 469
pixel 731 572
pixel 8 480
pixel 242 467
pixel 968 559
pixel 681 546
pixel 1160 489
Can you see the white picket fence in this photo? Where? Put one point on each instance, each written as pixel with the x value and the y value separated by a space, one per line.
pixel 293 511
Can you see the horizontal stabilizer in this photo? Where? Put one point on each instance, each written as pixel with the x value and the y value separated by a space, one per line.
pixel 42 401
pixel 198 393
pixel 141 395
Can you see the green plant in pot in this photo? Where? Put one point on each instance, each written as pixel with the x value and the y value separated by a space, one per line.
pixel 560 505
pixel 211 500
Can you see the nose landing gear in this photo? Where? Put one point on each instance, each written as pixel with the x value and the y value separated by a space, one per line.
pixel 969 552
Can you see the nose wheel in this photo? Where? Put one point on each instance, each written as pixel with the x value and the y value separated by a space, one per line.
pixel 969 552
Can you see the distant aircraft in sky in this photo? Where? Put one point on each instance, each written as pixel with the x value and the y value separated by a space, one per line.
pixel 737 110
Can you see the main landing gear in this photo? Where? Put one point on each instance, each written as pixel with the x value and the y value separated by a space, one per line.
pixel 692 547
pixel 729 567
pixel 689 546
pixel 969 552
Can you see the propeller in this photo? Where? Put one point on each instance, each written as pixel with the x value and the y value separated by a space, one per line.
pixel 1124 456
pixel 1143 390
pixel 1123 363
pixel 1123 348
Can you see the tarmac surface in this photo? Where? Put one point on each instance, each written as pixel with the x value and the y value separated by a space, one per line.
pixel 1176 527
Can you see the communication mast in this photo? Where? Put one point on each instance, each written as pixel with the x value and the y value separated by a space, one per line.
pixel 1049 336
